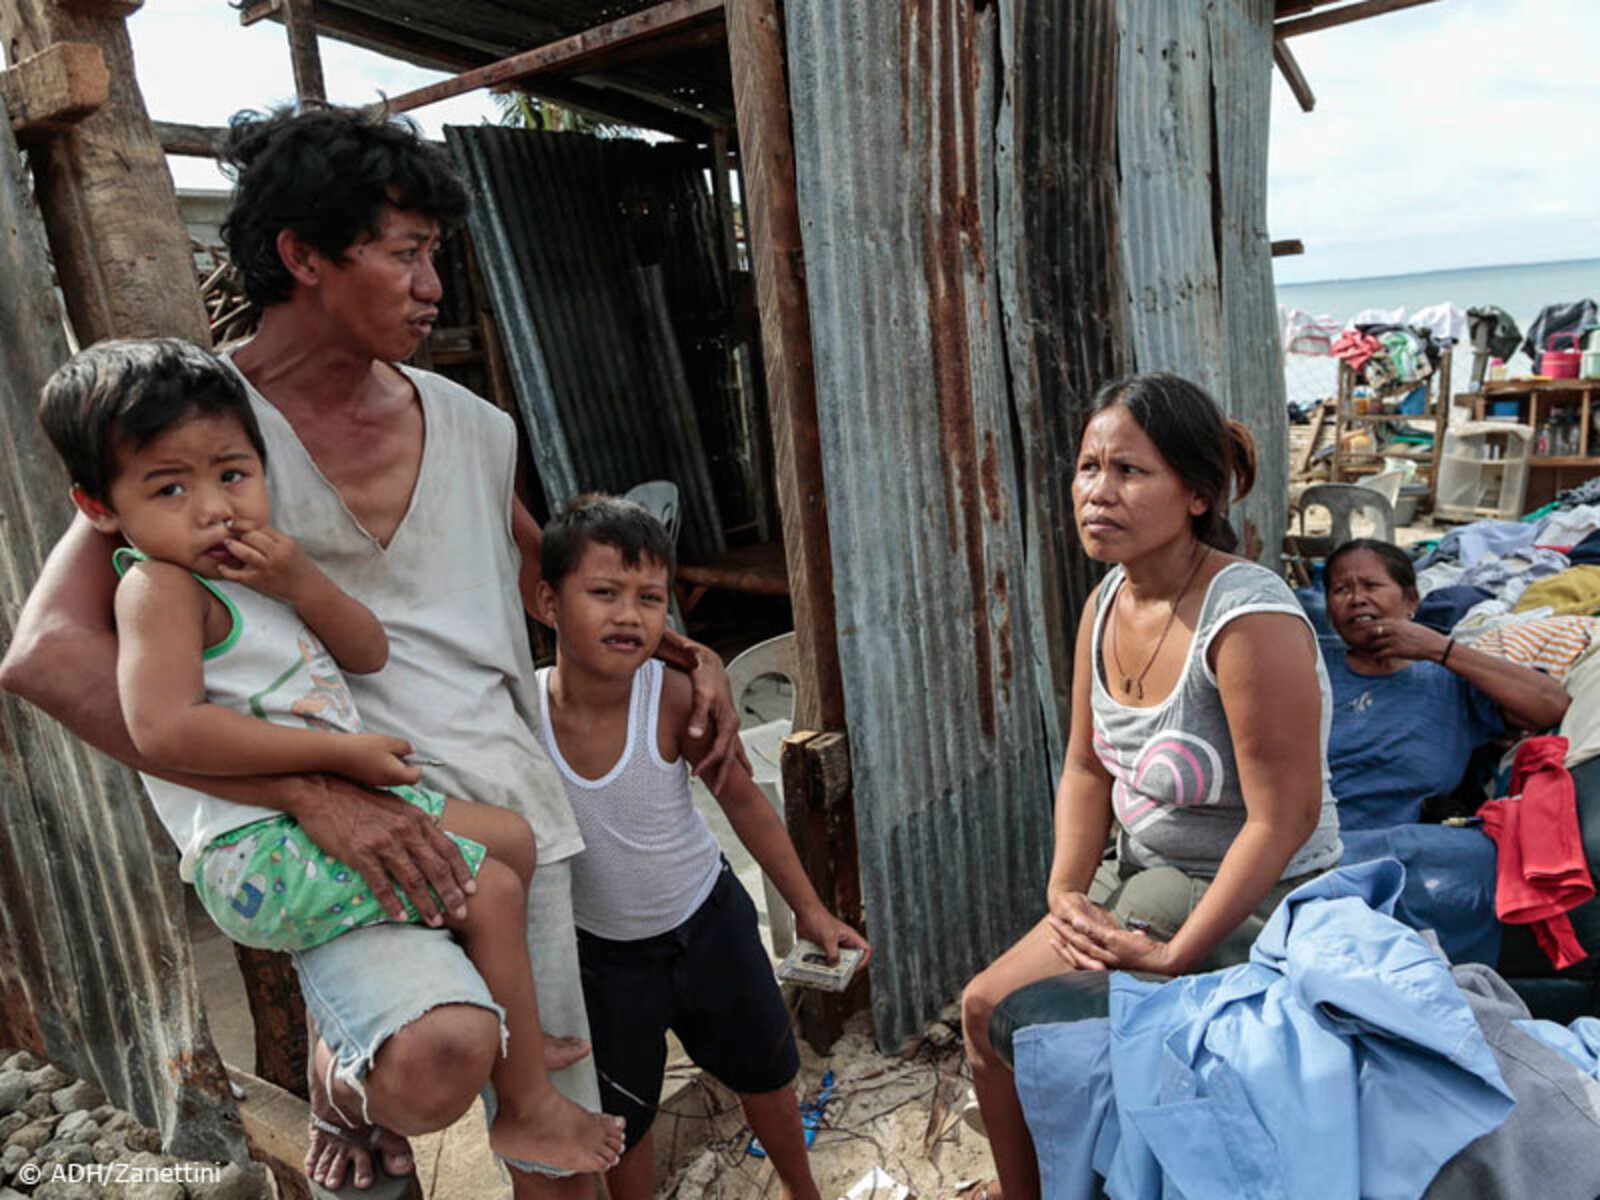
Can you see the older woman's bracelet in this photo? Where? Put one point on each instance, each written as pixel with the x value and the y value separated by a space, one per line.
pixel 1448 646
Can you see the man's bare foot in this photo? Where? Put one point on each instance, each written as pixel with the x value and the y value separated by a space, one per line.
pixel 336 1150
pixel 555 1132
pixel 562 1052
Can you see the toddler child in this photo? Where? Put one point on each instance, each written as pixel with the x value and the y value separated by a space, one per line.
pixel 231 644
pixel 667 938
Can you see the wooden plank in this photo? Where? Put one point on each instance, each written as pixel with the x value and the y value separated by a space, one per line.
pixel 772 225
pixel 1289 66
pixel 581 49
pixel 299 18
pixel 104 8
pixel 120 247
pixel 1288 247
pixel 1363 11
pixel 192 141
pixel 57 87
pixel 821 817
pixel 275 1122
pixel 608 104
pixel 278 1016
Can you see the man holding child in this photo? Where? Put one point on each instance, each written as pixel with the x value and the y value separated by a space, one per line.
pixel 399 485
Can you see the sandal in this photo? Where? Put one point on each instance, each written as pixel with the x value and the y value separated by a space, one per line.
pixel 384 1186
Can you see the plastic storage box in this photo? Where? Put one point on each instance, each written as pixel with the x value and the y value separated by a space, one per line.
pixel 1483 471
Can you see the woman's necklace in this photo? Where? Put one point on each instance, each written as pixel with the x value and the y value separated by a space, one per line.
pixel 1130 683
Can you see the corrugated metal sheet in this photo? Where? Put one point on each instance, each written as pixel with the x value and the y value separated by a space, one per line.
pixel 95 964
pixel 1193 91
pixel 1057 159
pixel 589 248
pixel 894 109
pixel 1065 297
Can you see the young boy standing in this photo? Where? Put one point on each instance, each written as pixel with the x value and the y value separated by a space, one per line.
pixel 667 937
pixel 232 648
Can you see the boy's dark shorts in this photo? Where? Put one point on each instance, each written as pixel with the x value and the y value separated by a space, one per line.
pixel 710 982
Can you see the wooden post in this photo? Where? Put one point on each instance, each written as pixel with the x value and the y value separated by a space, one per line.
pixel 299 18
pixel 821 819
pixel 772 223
pixel 111 213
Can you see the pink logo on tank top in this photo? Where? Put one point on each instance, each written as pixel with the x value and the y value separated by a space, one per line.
pixel 1174 770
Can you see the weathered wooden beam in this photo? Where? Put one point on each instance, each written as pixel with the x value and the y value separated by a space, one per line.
pixel 607 104
pixel 819 812
pixel 299 18
pixel 1365 10
pixel 1288 247
pixel 1293 75
pixel 104 8
pixel 580 50
pixel 373 33
pixel 772 224
pixel 190 141
pixel 1293 8
pixel 55 88
pixel 120 247
pixel 275 1122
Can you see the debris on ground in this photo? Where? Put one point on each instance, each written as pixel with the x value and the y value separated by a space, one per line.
pixel 891 1121
pixel 60 1140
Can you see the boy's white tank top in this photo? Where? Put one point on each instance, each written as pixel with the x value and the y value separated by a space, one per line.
pixel 649 860
pixel 460 678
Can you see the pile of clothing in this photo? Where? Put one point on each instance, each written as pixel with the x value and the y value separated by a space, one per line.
pixel 1347 1058
pixel 1528 591
pixel 1391 353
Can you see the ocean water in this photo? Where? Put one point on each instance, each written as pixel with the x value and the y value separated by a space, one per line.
pixel 1522 290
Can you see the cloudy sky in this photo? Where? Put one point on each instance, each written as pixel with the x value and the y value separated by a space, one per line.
pixel 1456 134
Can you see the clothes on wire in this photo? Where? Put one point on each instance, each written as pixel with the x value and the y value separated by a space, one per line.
pixel 1207 1074
pixel 1543 872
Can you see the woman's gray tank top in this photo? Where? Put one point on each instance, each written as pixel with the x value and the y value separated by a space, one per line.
pixel 1176 793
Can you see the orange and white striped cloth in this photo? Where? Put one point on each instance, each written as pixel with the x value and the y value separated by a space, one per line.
pixel 1551 644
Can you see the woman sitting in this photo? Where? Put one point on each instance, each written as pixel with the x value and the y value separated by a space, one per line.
pixel 1199 722
pixel 1411 704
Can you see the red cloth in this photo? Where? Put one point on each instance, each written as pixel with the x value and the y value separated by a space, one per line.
pixel 1542 873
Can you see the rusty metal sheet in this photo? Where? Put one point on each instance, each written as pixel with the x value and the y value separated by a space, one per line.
pixel 894 109
pixel 1062 285
pixel 95 962
pixel 1194 99
pixel 591 249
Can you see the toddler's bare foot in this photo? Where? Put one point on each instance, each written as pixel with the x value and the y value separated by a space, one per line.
pixel 562 1052
pixel 554 1131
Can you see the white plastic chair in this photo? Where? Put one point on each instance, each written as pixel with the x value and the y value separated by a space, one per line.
pixel 764 744
pixel 659 497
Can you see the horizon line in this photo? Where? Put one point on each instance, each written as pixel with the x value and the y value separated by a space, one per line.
pixel 1542 262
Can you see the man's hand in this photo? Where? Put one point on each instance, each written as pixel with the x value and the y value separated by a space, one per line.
pixel 269 561
pixel 390 843
pixel 829 933
pixel 376 759
pixel 713 706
